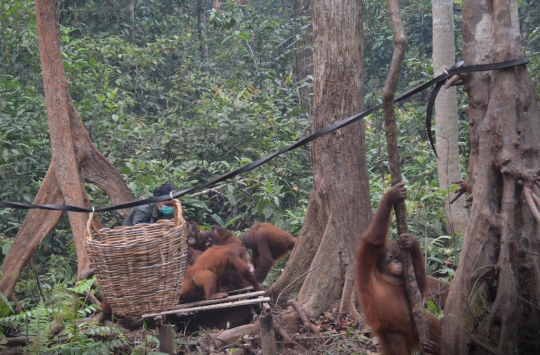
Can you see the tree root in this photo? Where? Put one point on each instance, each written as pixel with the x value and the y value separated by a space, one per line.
pixel 104 305
pixel 532 201
pixel 484 346
pixel 302 314
pixel 359 317
pixel 286 337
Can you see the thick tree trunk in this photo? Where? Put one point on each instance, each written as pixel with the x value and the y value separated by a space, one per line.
pixel 493 304
pixel 446 118
pixel 75 160
pixel 289 283
pixel 339 208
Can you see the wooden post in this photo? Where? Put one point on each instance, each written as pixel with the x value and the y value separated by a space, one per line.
pixel 165 337
pixel 268 336
pixel 400 43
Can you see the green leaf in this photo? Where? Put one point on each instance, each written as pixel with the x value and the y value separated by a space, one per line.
pixel 218 219
pixel 4 299
pixel 431 307
pixel 245 36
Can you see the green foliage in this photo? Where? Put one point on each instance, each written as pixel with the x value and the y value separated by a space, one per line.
pixel 160 112
pixel 145 347
pixel 154 113
pixel 433 309
pixel 74 337
pixel 528 11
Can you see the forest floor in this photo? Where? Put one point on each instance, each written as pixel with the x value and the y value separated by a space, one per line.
pixel 337 336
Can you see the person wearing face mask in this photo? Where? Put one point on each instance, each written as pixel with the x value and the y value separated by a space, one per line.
pixel 152 212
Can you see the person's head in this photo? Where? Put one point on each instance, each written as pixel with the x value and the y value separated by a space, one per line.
pixel 165 207
pixel 164 189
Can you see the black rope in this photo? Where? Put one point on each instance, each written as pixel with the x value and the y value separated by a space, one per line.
pixel 437 81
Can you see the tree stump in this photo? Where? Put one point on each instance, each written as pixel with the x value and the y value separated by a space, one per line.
pixel 268 336
pixel 166 335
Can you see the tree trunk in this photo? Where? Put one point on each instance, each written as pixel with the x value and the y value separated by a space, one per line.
pixel 130 14
pixel 446 119
pixel 289 283
pixel 493 303
pixel 201 29
pixel 75 160
pixel 303 54
pixel 413 292
pixel 339 208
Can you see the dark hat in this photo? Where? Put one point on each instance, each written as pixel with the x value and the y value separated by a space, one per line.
pixel 164 189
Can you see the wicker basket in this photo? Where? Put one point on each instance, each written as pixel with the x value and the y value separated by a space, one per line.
pixel 141 268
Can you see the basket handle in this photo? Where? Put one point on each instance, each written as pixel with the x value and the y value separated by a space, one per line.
pixel 178 215
pixel 89 225
pixel 88 233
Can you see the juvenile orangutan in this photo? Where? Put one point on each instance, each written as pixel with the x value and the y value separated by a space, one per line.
pixel 381 286
pixel 268 244
pixel 204 278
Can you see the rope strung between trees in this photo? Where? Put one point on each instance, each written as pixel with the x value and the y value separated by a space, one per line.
pixel 437 81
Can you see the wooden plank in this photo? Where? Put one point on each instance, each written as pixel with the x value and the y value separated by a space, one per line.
pixel 188 311
pixel 223 305
pixel 232 292
pixel 220 300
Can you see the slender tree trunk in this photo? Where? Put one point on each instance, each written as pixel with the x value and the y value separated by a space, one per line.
pixel 400 43
pixel 130 14
pixel 201 28
pixel 493 303
pixel 446 118
pixel 339 208
pixel 303 54
pixel 75 160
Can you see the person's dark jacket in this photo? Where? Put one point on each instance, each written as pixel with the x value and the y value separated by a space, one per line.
pixel 144 214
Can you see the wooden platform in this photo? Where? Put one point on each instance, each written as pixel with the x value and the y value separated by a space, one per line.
pixel 235 299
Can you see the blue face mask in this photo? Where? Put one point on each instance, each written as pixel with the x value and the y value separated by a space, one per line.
pixel 167 210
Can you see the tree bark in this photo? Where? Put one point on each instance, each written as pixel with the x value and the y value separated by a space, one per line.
pixel 201 29
pixel 130 14
pixel 268 335
pixel 75 160
pixel 303 54
pixel 340 202
pixel 492 306
pixel 446 118
pixel 289 283
pixel 166 337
